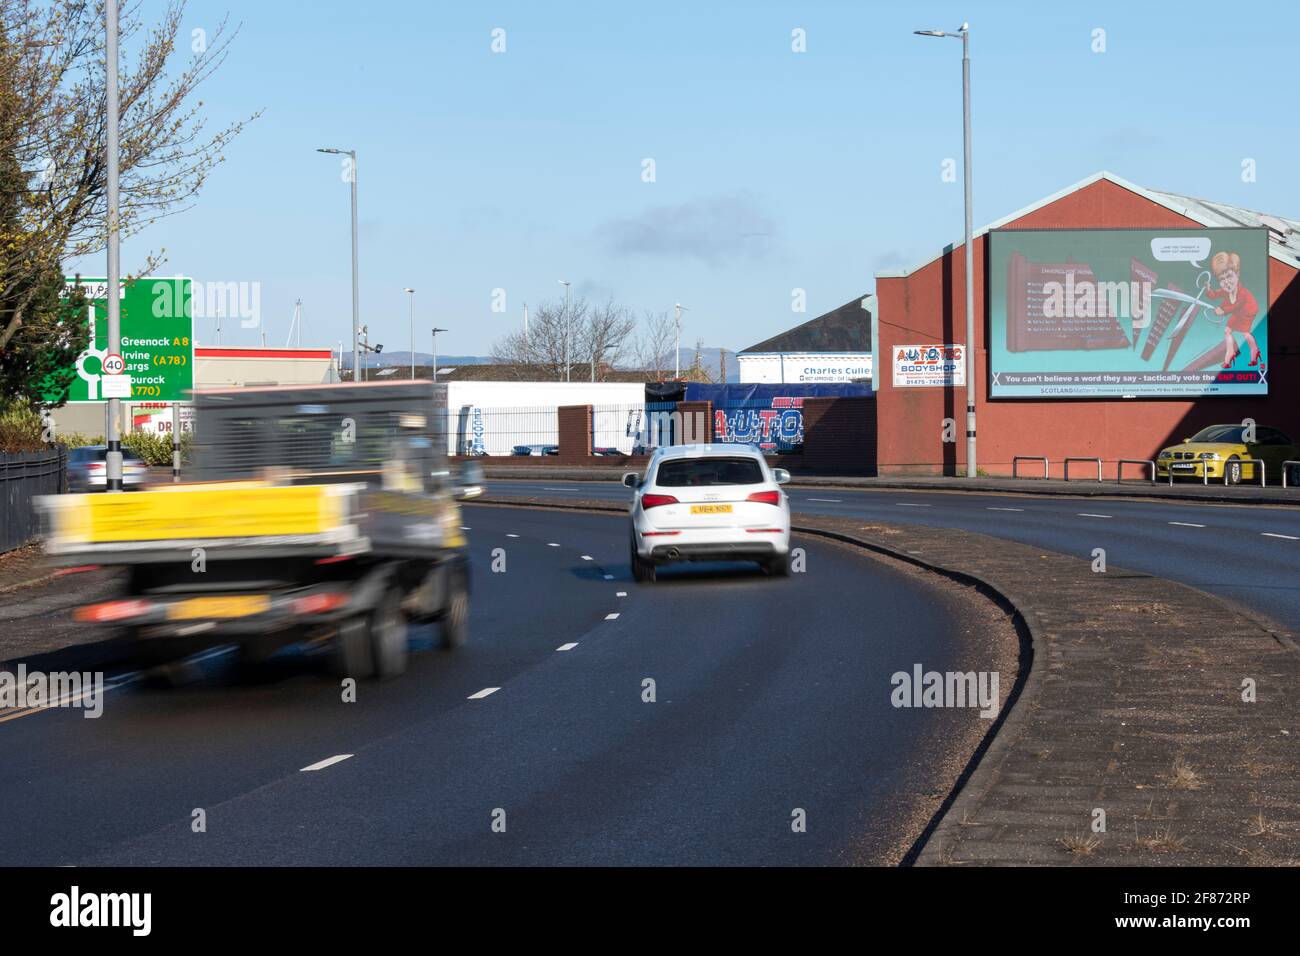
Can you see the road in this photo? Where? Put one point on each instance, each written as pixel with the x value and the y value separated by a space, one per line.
pixel 771 695
pixel 1247 554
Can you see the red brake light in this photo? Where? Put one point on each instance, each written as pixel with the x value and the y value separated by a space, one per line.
pixel 766 497
pixel 654 501
pixel 112 611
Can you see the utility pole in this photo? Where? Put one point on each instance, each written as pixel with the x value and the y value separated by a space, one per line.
pixel 677 352
pixel 412 294
pixel 968 251
pixel 356 307
pixel 566 327
pixel 113 437
pixel 436 330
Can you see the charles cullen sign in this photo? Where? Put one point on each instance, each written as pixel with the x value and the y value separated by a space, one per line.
pixel 806 367
pixel 1116 312
pixel 157 342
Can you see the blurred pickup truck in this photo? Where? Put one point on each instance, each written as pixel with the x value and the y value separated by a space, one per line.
pixel 311 513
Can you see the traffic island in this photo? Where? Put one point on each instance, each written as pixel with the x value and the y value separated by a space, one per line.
pixel 1150 723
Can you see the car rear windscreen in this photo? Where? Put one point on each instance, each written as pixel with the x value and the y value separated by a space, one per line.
pixel 702 472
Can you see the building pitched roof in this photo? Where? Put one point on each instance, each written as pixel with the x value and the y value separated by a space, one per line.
pixel 843 329
pixel 1283 233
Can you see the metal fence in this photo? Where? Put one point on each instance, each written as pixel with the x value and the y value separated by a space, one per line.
pixel 23 476
pixel 479 430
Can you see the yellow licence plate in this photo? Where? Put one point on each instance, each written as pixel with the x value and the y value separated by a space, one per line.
pixel 208 607
pixel 710 509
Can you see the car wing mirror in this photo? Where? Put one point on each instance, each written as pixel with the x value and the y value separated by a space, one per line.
pixel 631 479
pixel 780 476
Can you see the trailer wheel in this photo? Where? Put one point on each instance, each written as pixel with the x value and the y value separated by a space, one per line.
pixel 454 627
pixel 388 647
pixel 352 649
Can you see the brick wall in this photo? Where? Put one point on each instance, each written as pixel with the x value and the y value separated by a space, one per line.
pixel 574 429
pixel 839 436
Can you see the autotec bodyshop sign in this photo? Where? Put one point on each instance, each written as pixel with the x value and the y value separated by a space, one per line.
pixel 922 366
pixel 157 334
pixel 1101 312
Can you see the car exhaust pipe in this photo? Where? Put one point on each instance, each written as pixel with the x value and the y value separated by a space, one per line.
pixel 674 553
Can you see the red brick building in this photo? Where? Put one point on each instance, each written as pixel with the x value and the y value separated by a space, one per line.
pixel 927 303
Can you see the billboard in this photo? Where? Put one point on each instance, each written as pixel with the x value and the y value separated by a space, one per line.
pixel 1128 312
pixel 157 332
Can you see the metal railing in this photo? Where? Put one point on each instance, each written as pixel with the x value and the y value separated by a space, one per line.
pixel 1066 466
pixel 1016 460
pixel 1119 468
pixel 24 476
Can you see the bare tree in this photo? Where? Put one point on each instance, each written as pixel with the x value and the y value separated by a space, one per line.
pixel 654 342
pixel 605 336
pixel 552 346
pixel 53 124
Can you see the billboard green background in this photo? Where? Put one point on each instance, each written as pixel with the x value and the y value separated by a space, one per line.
pixel 1109 253
pixel 157 332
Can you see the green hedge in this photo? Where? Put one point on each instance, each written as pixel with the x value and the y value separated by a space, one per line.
pixel 21 430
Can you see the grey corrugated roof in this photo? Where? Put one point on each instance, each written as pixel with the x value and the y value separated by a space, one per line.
pixel 1281 231
pixel 843 329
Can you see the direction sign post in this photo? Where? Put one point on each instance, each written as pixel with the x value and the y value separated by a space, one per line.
pixel 156 350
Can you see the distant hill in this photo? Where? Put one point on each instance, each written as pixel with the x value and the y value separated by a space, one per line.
pixel 387 358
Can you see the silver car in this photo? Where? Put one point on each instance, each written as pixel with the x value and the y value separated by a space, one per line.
pixel 88 469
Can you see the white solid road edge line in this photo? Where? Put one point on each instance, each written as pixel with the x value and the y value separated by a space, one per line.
pixel 483 693
pixel 327 762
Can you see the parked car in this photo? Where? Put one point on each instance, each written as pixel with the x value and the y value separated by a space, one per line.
pixel 88 469
pixel 708 503
pixel 535 450
pixel 1221 449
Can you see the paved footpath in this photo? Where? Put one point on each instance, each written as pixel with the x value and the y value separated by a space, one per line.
pixel 1156 709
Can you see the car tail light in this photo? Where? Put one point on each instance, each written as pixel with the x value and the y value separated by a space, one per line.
pixel 97 466
pixel 319 603
pixel 654 501
pixel 766 497
pixel 658 534
pixel 765 530
pixel 111 611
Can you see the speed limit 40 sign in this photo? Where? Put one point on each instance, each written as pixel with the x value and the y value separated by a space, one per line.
pixel 113 364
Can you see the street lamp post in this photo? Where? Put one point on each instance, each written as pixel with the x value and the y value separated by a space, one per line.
pixel 436 330
pixel 964 34
pixel 112 435
pixel 566 285
pixel 678 309
pixel 356 308
pixel 412 294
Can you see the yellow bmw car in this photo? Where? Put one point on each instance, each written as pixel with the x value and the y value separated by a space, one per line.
pixel 1223 451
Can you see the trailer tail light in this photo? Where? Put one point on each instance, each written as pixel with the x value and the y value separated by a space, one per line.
pixel 112 611
pixel 319 603
pixel 654 501
pixel 766 497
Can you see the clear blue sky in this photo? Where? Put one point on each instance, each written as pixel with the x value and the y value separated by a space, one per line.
pixel 775 170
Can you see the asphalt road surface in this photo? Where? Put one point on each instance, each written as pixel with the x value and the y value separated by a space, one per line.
pixel 1248 554
pixel 772 695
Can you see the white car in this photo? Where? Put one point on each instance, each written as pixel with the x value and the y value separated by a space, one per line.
pixel 709 503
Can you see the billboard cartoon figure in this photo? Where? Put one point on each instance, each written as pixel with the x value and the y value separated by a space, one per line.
pixel 1237 303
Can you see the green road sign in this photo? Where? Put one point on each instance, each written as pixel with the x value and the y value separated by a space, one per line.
pixel 157 347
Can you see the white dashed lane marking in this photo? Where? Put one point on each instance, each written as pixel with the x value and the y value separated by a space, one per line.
pixel 909 504
pixel 567 647
pixel 833 501
pixel 621 594
pixel 612 617
pixel 586 557
pixel 1084 514
pixel 1187 524
pixel 327 762
pixel 1004 509
pixel 1284 537
pixel 483 693
pixel 551 544
pixel 512 535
